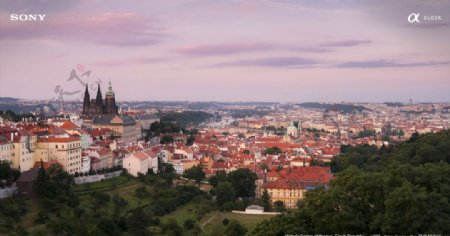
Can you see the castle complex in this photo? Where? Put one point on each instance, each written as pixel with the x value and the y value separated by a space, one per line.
pixel 95 107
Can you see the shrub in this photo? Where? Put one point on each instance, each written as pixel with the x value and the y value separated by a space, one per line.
pixel 225 221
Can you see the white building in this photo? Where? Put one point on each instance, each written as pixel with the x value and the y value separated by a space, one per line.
pixel 178 166
pixel 254 209
pixel 85 164
pixel 23 158
pixel 141 162
pixel 292 130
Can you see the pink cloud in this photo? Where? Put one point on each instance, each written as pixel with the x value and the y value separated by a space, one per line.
pixel 120 62
pixel 112 28
pixel 223 49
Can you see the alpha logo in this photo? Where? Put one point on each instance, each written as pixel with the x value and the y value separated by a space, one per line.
pixel 414 17
pixel 27 17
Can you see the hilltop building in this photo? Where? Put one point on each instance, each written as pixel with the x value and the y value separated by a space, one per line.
pixel 95 107
pixel 102 113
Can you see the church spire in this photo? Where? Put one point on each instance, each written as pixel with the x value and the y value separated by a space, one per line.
pixel 86 101
pixel 99 92
pixel 86 92
pixel 110 92
pixel 99 99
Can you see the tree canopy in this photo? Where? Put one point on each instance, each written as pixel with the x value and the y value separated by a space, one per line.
pixel 404 190
pixel 195 173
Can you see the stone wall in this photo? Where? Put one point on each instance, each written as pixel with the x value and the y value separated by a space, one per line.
pixel 8 192
pixel 97 177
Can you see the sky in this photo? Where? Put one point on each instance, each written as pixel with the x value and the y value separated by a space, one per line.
pixel 237 50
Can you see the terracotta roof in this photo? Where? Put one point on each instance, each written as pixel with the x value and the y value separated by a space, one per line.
pixel 56 139
pixel 47 164
pixel 140 155
pixel 69 125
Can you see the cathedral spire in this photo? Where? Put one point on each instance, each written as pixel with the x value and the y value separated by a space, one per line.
pixel 99 92
pixel 86 101
pixel 99 100
pixel 110 92
pixel 86 92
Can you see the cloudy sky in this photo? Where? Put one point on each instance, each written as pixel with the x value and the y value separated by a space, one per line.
pixel 237 50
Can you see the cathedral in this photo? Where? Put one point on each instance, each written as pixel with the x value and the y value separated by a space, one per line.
pixel 95 107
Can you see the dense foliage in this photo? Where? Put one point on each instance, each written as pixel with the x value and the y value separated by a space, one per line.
pixel 402 190
pixel 186 117
pixel 229 187
pixel 366 133
pixel 273 151
pixel 345 108
pixel 195 173
pixel 242 113
pixel 11 212
pixel 7 174
pixel 157 128
pixel 12 116
pixel 99 212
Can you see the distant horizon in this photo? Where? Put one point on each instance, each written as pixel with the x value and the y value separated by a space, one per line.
pixel 249 101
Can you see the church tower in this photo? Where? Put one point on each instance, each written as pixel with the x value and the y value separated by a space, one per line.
pixel 100 106
pixel 86 102
pixel 110 102
pixel 99 101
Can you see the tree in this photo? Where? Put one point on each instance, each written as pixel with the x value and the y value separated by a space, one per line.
pixel 189 224
pixel 234 228
pixel 221 176
pixel 5 170
pixel 172 228
pixel 366 133
pixel 119 203
pixel 213 181
pixel 279 206
pixel 53 183
pixel 279 167
pixel 273 151
pixel 166 139
pixel 243 181
pixel 107 226
pixel 99 199
pixel 195 173
pixel 167 172
pixel 266 202
pixel 41 183
pixel 264 166
pixel 141 192
pixel 137 222
pixel 190 140
pixel 224 193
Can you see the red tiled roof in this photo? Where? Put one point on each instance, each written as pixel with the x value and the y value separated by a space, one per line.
pixel 69 125
pixel 47 164
pixel 56 139
pixel 140 155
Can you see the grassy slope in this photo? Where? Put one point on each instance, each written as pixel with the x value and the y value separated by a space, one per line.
pixel 249 221
pixel 125 188
pixel 120 186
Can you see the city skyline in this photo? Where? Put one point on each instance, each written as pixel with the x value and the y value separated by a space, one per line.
pixel 280 51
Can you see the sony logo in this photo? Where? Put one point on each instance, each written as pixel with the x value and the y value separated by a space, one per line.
pixel 27 17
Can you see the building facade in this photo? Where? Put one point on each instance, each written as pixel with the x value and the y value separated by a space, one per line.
pixel 65 150
pixel 289 185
